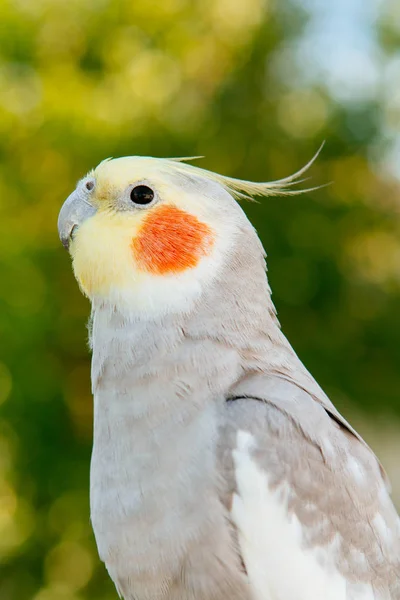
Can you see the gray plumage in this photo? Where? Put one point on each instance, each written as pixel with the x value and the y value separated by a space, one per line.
pixel 173 390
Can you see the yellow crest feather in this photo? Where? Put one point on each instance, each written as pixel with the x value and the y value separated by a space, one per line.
pixel 242 189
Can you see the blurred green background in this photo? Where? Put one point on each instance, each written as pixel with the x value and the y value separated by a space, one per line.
pixel 255 86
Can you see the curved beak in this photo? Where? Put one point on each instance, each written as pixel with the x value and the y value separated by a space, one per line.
pixel 75 210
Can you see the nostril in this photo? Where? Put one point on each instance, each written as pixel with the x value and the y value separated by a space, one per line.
pixel 89 185
pixel 73 231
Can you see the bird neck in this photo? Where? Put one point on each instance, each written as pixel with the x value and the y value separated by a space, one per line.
pixel 234 319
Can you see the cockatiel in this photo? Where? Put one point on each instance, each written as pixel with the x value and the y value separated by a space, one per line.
pixel 220 469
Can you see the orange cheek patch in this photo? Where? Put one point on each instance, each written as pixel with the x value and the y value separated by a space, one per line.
pixel 171 241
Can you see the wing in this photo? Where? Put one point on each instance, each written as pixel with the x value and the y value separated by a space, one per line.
pixel 313 517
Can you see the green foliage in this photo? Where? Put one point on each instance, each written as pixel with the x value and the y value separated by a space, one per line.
pixel 80 81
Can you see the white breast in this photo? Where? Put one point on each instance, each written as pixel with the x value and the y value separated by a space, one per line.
pixel 144 513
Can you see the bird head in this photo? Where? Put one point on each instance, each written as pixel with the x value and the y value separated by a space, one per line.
pixel 149 234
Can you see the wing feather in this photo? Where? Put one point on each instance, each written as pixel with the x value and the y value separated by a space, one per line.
pixel 308 494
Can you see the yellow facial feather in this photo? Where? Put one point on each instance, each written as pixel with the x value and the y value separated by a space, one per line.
pixel 103 259
pixel 155 257
pixel 113 176
pixel 101 254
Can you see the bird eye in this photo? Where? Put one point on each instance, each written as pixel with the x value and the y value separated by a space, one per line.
pixel 142 194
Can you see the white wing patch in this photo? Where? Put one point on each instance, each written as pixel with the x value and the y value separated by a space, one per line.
pixel 278 566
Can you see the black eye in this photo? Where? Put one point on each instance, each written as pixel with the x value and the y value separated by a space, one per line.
pixel 142 194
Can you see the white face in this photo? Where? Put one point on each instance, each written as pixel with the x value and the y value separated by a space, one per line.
pixel 155 236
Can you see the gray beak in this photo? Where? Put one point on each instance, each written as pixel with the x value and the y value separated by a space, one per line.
pixel 75 210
